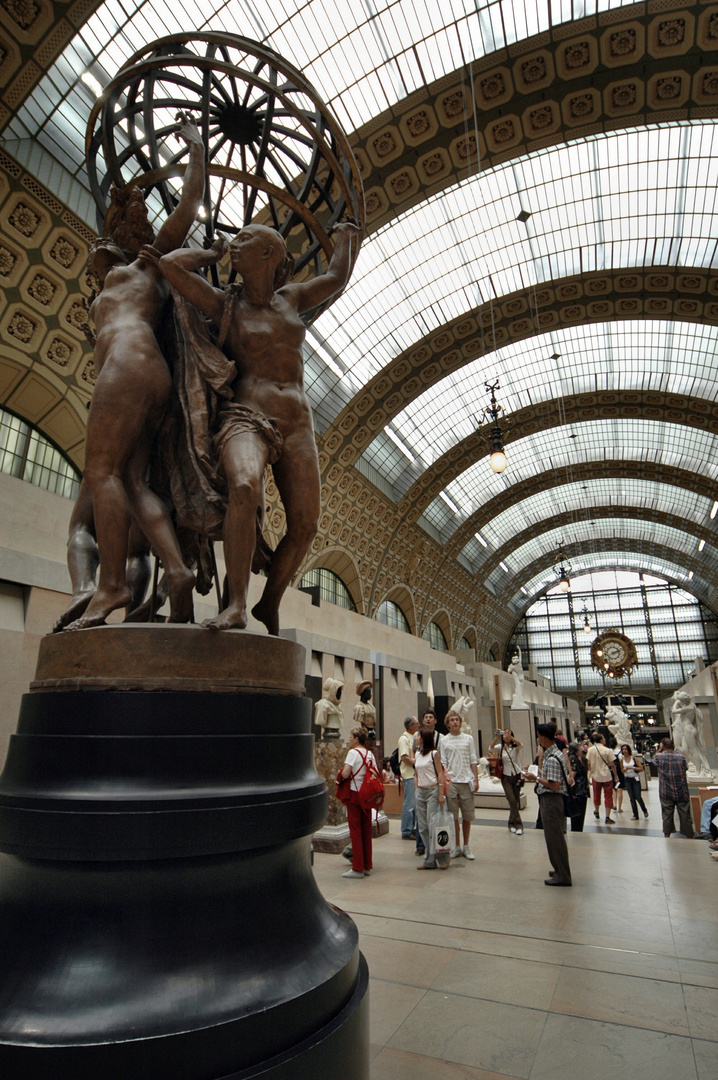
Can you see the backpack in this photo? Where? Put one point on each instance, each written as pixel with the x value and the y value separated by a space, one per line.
pixel 394 763
pixel 371 792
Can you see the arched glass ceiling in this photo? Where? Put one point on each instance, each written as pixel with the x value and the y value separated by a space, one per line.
pixel 669 357
pixel 627 560
pixel 538 547
pixel 631 199
pixel 362 55
pixel 578 497
pixel 606 440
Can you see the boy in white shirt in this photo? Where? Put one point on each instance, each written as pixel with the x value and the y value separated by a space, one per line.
pixel 458 756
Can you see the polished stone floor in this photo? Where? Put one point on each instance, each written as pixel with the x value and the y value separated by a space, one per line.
pixel 482 972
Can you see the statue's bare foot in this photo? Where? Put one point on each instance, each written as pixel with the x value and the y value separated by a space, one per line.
pixel 180 585
pixel 267 614
pixel 102 603
pixel 233 617
pixel 78 604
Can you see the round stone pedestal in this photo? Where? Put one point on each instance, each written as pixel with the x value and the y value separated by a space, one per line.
pixel 159 918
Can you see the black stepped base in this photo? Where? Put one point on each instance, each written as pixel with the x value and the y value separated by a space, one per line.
pixel 159 918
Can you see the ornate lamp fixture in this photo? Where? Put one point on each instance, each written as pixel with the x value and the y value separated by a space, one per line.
pixel 491 415
pixel 562 567
pixel 586 622
pixel 613 654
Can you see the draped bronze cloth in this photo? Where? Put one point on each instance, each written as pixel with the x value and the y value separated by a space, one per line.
pixel 203 378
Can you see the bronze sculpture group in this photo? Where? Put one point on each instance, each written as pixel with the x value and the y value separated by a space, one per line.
pixel 204 414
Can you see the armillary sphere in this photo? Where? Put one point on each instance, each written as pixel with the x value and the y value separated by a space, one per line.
pixel 275 153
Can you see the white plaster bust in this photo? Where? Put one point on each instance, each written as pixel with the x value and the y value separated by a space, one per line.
pixel 327 711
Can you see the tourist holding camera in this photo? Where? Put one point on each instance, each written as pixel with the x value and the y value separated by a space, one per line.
pixel 507 747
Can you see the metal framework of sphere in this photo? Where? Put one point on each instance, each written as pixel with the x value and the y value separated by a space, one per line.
pixel 275 154
pixel 613 654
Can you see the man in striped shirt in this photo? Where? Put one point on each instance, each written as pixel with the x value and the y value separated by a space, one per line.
pixel 458 756
pixel 552 784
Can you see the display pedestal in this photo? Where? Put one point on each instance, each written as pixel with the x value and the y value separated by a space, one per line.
pixel 521 724
pixel 333 837
pixel 159 918
pixel 492 797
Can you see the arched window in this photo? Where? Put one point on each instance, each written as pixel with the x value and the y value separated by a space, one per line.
pixel 391 614
pixel 668 626
pixel 28 455
pixel 434 635
pixel 463 643
pixel 330 585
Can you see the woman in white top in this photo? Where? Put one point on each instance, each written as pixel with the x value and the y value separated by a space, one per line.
pixel 359 819
pixel 631 768
pixel 507 748
pixel 429 794
pixel 602 773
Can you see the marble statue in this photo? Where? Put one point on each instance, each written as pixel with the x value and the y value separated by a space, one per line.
pixel 485 772
pixel 461 707
pixel 133 387
pixel 364 711
pixel 327 711
pixel 517 675
pixel 687 731
pixel 264 417
pixel 619 725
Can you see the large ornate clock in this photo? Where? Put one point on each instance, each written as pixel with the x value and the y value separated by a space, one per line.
pixel 614 654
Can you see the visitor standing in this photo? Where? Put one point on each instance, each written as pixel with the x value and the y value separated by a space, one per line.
pixel 358 818
pixel 429 791
pixel 458 756
pixel 602 773
pixel 552 783
pixel 673 788
pixel 631 768
pixel 406 768
pixel 507 749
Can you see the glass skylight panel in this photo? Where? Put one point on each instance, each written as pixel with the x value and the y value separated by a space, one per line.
pixel 579 497
pixel 665 568
pixel 498 255
pixel 599 440
pixel 675 357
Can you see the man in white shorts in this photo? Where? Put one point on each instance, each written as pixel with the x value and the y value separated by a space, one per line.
pixel 458 756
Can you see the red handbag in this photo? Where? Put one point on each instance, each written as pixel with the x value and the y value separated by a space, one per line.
pixel 371 792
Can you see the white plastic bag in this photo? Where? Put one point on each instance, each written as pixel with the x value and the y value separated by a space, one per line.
pixel 442 825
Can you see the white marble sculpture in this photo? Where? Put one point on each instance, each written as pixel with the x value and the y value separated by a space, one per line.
pixel 687 732
pixel 327 711
pixel 517 674
pixel 462 706
pixel 485 772
pixel 619 725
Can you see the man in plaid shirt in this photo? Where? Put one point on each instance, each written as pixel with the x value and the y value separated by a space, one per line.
pixel 552 786
pixel 673 788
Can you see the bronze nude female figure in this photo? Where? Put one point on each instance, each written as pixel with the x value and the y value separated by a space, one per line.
pixel 132 390
pixel 269 420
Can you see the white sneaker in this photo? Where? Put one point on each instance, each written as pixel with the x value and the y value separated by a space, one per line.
pixel 467 852
pixel 513 829
pixel 519 832
pixel 455 853
pixel 353 873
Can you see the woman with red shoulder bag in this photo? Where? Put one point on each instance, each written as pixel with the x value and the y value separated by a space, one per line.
pixel 357 761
